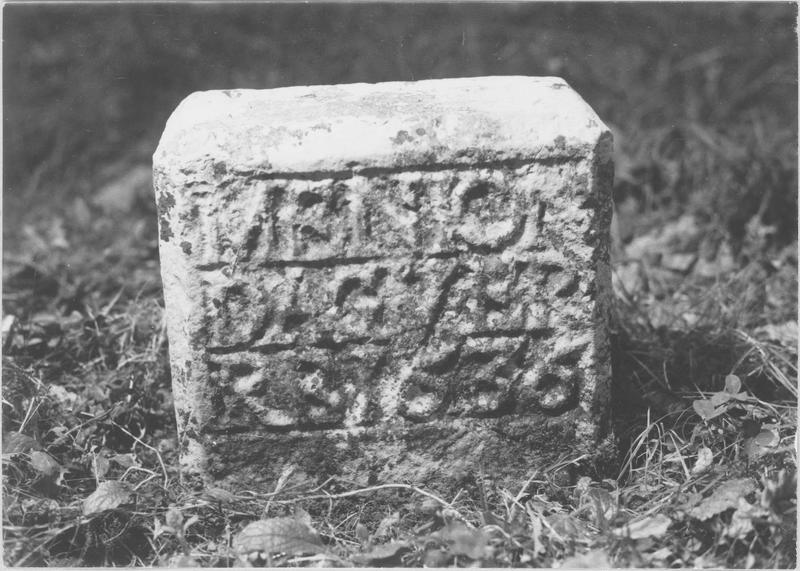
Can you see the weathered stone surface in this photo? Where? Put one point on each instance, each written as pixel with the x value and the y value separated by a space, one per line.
pixel 398 281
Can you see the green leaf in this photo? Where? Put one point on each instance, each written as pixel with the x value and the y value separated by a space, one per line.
pixel 107 496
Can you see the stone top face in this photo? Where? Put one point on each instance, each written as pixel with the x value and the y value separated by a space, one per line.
pixel 330 128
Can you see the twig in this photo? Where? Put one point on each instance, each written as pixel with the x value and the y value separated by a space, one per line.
pixel 140 441
pixel 29 414
pixel 95 418
pixel 375 489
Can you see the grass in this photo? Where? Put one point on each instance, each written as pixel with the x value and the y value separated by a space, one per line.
pixel 703 102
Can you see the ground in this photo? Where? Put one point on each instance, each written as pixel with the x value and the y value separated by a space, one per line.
pixel 703 104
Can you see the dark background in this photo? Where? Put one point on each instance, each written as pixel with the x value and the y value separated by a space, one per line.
pixel 86 86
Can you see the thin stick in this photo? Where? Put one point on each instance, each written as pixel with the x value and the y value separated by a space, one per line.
pixel 374 489
pixel 140 441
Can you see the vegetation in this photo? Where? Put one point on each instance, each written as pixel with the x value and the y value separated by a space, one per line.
pixel 703 102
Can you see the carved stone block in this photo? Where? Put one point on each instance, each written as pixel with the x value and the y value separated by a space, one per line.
pixel 386 282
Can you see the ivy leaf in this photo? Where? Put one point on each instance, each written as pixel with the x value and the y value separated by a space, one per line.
pixel 44 463
pixel 107 496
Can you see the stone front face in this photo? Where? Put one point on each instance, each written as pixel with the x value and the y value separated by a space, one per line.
pixel 426 306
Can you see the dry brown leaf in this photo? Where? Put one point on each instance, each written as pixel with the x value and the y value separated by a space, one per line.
pixel 724 498
pixel 44 463
pixel 705 457
pixel 383 553
pixel 107 496
pixel 650 526
pixel 286 535
pixel 16 443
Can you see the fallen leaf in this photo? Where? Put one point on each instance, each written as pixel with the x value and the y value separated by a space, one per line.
pixel 436 558
pixel 107 496
pixel 174 518
pixel 720 398
pixel 650 526
pixel 44 463
pixel 706 409
pixel 124 460
pixel 742 519
pixel 767 438
pixel 182 561
pixel 600 502
pixel 16 443
pixel 286 535
pixel 383 554
pixel 63 396
pixel 101 466
pixel 387 524
pixel 725 497
pixel 218 495
pixel 704 459
pixel 568 527
pixel 733 386
pixel 461 540
pixel 362 533
pixel 761 443
pixel 594 559
pixel 659 555
pixel 536 533
pixel 190 522
pixel 678 262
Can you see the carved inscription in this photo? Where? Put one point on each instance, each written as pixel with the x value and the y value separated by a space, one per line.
pixel 403 281
pixel 420 295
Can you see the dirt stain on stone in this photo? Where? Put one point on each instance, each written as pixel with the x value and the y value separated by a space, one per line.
pixel 401 137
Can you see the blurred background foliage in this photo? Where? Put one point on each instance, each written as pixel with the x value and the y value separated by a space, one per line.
pixel 88 85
